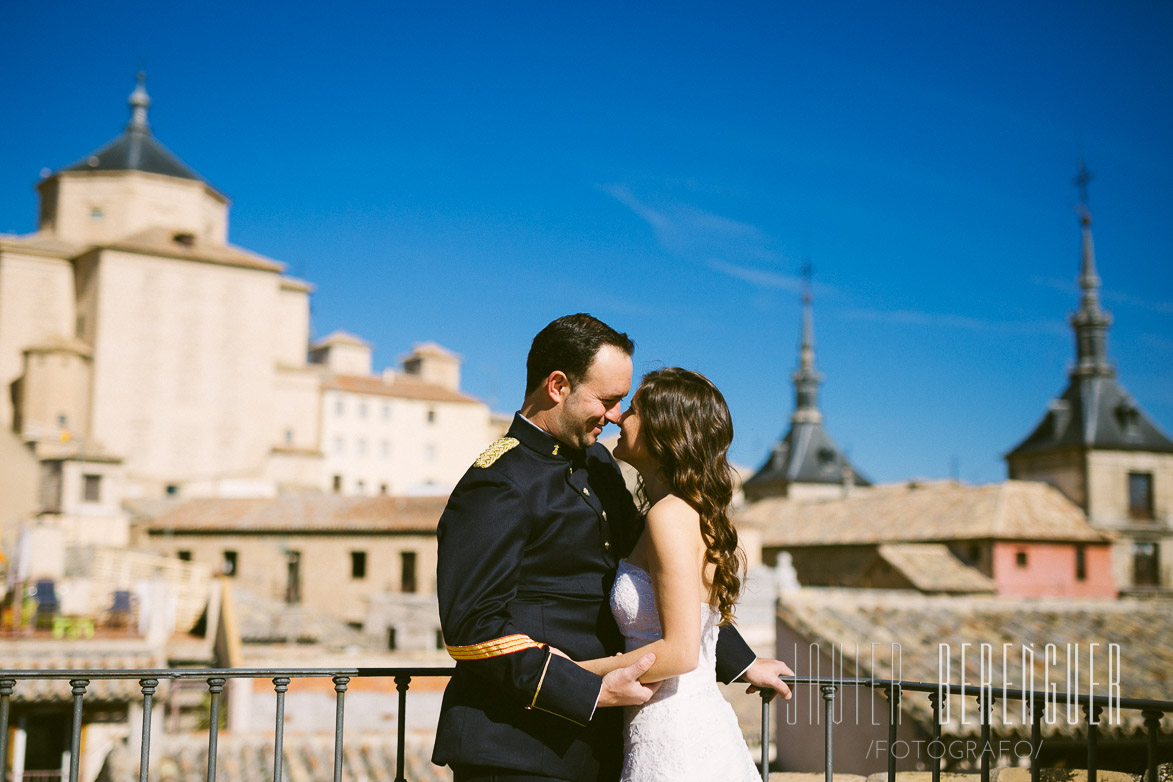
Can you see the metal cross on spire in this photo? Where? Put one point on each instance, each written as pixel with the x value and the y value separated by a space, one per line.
pixel 1081 181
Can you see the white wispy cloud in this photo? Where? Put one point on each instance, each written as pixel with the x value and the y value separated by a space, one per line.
pixel 1108 295
pixel 690 232
pixel 945 320
pixel 759 278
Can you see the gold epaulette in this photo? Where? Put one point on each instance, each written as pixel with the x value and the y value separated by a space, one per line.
pixel 495 451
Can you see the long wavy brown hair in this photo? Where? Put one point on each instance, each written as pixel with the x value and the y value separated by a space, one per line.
pixel 686 426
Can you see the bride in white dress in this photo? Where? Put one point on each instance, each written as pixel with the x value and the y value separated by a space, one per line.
pixel 679 583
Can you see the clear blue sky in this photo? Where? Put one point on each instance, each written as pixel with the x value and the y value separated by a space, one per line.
pixel 465 172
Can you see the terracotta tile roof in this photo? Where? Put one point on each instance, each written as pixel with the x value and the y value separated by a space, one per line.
pixel 302 513
pixel 944 511
pixel 340 337
pixel 264 621
pixel 162 241
pixel 931 567
pixel 919 623
pixel 306 758
pixel 399 387
pixel 77 655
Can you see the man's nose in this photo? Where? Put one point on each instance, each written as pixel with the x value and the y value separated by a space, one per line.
pixel 614 414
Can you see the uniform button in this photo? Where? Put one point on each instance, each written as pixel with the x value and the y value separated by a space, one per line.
pixel 607 546
pixel 570 471
pixel 604 515
pixel 586 491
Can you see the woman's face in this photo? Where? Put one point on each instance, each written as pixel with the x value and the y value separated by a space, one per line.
pixel 631 447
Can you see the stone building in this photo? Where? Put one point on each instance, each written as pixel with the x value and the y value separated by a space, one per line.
pixel 142 355
pixel 805 462
pixel 1097 446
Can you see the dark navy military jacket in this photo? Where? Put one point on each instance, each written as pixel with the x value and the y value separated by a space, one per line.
pixel 528 549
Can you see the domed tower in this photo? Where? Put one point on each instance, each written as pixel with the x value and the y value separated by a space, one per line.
pixel 129 185
pixel 805 462
pixel 1098 447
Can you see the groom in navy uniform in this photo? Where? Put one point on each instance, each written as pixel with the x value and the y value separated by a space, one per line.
pixel 528 548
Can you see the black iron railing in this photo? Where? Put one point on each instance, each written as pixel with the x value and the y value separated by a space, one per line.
pixel 216 678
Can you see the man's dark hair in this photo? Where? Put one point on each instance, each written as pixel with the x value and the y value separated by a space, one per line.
pixel 569 345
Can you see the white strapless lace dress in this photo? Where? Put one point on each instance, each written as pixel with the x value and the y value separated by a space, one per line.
pixel 687 732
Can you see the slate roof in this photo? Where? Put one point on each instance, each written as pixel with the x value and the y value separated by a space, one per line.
pixel 929 512
pixel 805 455
pixel 919 623
pixel 1094 412
pixel 296 513
pixel 136 150
pixel 932 568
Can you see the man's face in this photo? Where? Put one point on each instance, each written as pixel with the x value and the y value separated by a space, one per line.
pixel 594 400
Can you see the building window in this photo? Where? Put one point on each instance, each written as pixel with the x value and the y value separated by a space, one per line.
pixel 230 566
pixel 339 445
pixel 337 484
pixel 407 571
pixel 358 564
pixel 1146 563
pixel 92 488
pixel 184 555
pixel 360 447
pixel 1081 563
pixel 292 577
pixel 360 487
pixel 288 436
pixel 391 645
pixel 172 489
pixel 382 488
pixel 430 452
pixel 386 412
pixel 96 213
pixel 1020 558
pixel 339 407
pixel 362 409
pixel 431 415
pixel 384 448
pixel 1140 495
pixel 62 420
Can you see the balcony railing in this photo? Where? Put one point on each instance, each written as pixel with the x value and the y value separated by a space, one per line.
pixel 215 680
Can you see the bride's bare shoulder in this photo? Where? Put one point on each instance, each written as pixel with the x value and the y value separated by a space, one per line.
pixel 671 511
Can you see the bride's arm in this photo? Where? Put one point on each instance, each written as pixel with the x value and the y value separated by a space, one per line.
pixel 675 566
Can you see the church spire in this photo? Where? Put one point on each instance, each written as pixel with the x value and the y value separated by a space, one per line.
pixel 806 378
pixel 1091 322
pixel 139 103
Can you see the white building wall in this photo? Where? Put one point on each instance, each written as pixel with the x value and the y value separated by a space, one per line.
pixel 184 364
pixel 36 303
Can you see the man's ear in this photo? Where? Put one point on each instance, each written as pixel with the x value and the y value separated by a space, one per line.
pixel 557 386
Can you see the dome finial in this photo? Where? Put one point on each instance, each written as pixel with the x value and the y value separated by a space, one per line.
pixel 139 103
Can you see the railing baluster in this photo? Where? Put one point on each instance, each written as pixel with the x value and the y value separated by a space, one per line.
pixel 280 684
pixel 1152 721
pixel 6 688
pixel 935 699
pixel 766 694
pixel 828 710
pixel 215 688
pixel 1092 711
pixel 402 682
pixel 985 706
pixel 340 683
pixel 1037 707
pixel 79 691
pixel 893 717
pixel 144 763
